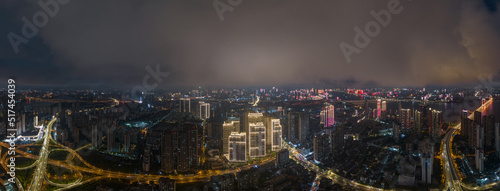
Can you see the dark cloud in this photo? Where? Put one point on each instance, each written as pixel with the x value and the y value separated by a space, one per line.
pixel 267 43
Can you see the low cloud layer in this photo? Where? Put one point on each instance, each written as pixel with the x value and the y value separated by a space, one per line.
pixel 259 43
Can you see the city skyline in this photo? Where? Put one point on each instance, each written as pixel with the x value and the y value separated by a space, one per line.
pixel 250 95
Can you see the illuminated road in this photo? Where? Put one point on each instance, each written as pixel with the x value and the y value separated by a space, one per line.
pixel 256 101
pixel 37 181
pixel 100 173
pixel 452 177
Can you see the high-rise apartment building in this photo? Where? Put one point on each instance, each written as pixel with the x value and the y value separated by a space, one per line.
pixel 297 126
pixel 327 117
pixel 227 128
pixel 204 110
pixel 237 147
pixel 405 119
pixel 337 140
pixel 489 130
pixel 257 139
pixel 321 146
pixel 379 108
pixel 275 137
pixel 185 105
pixel 180 148
pixel 436 123
pixel 479 148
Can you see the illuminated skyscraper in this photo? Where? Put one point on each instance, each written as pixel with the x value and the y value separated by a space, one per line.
pixel 327 117
pixel 379 108
pixel 204 110
pixel 185 105
pixel 257 136
pixel 227 128
pixel 35 121
pixel 276 135
pixel 436 123
pixel 237 147
pixel 383 110
pixel 417 121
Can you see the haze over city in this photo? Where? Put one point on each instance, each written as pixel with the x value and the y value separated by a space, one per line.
pixel 258 43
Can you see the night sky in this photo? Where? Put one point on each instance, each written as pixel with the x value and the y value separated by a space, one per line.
pixel 98 43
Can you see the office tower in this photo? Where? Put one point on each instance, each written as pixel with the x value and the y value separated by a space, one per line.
pixel 489 130
pixel 337 140
pixel 379 108
pixel 237 147
pixel 479 148
pixel 321 148
pixel 166 184
pixel 204 110
pixel 297 126
pixel 276 134
pixel 497 139
pixel 185 105
pixel 227 128
pixel 257 139
pixel 396 132
pixel 327 117
pixel 146 159
pixel 405 119
pixel 436 123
